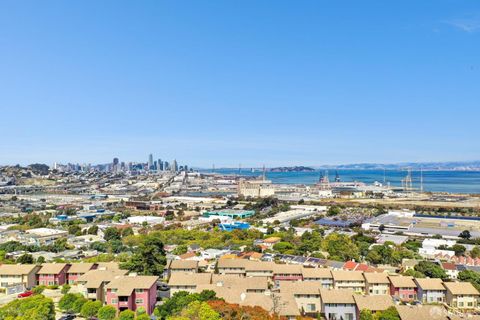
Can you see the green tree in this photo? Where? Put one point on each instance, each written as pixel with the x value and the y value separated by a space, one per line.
pixel 25 259
pixel 90 308
pixel 111 233
pixel 459 249
pixel 143 316
pixel 282 246
pixel 431 270
pixel 68 300
pixel 179 250
pixel 198 310
pixel 334 211
pixel 126 315
pixel 465 234
pixel 78 304
pixel 148 258
pixel 340 247
pixel 107 313
pixel 389 314
pixel 40 260
pixel 366 315
pixel 36 307
pixel 470 276
pixel 65 288
pixel 93 230
pixel 74 229
pixel 475 252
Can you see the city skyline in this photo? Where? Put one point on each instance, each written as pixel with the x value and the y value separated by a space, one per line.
pixel 305 83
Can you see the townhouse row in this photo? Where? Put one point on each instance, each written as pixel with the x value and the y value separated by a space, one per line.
pixel 460 295
pixel 294 298
pixel 104 282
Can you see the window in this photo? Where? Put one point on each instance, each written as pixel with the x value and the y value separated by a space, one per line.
pixel 139 290
pixel 114 301
pixel 348 316
pixel 311 307
pixel 139 301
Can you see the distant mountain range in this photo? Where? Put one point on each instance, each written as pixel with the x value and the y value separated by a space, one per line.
pixel 292 169
pixel 453 165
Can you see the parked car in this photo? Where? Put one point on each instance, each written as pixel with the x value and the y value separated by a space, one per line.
pixel 25 294
pixel 68 317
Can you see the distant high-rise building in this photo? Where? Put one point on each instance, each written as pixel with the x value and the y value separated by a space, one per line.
pixel 150 161
pixel 174 167
pixel 166 166
pixel 115 165
pixel 160 165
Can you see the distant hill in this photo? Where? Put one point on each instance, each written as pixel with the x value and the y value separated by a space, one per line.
pixel 292 169
pixel 453 165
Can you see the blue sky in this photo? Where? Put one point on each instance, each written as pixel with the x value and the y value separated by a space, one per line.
pixel 229 82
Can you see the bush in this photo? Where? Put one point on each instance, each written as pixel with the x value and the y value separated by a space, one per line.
pixel 33 307
pixel 126 315
pixel 90 308
pixel 107 313
pixel 38 289
pixel 53 287
pixel 143 316
pixel 65 288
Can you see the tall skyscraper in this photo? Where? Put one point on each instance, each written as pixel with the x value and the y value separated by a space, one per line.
pixel 174 166
pixel 150 161
pixel 166 166
pixel 115 165
pixel 160 165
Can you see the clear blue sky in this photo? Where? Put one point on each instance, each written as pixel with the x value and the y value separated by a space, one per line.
pixel 229 82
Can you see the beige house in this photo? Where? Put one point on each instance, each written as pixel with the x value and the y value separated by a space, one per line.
pixel 321 275
pixel 92 283
pixel 349 280
pixel 232 266
pixel 183 266
pixel 373 303
pixel 418 312
pixel 461 295
pixel 188 281
pixel 259 269
pixel 306 295
pixel 377 283
pixel 15 274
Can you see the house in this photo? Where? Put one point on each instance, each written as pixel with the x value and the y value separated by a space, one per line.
pixel 306 295
pixel 188 281
pixel 349 280
pixel 374 303
pixel 417 312
pixel 338 304
pixel 450 269
pixel 52 274
pixel 233 282
pixel 461 295
pixel 92 283
pixel 45 236
pixel 377 283
pixel 183 266
pixel 132 292
pixel 78 269
pixel 430 290
pixel 287 272
pixel 321 275
pixel 259 269
pixel 232 266
pixel 18 277
pixel 403 288
pixel 271 241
